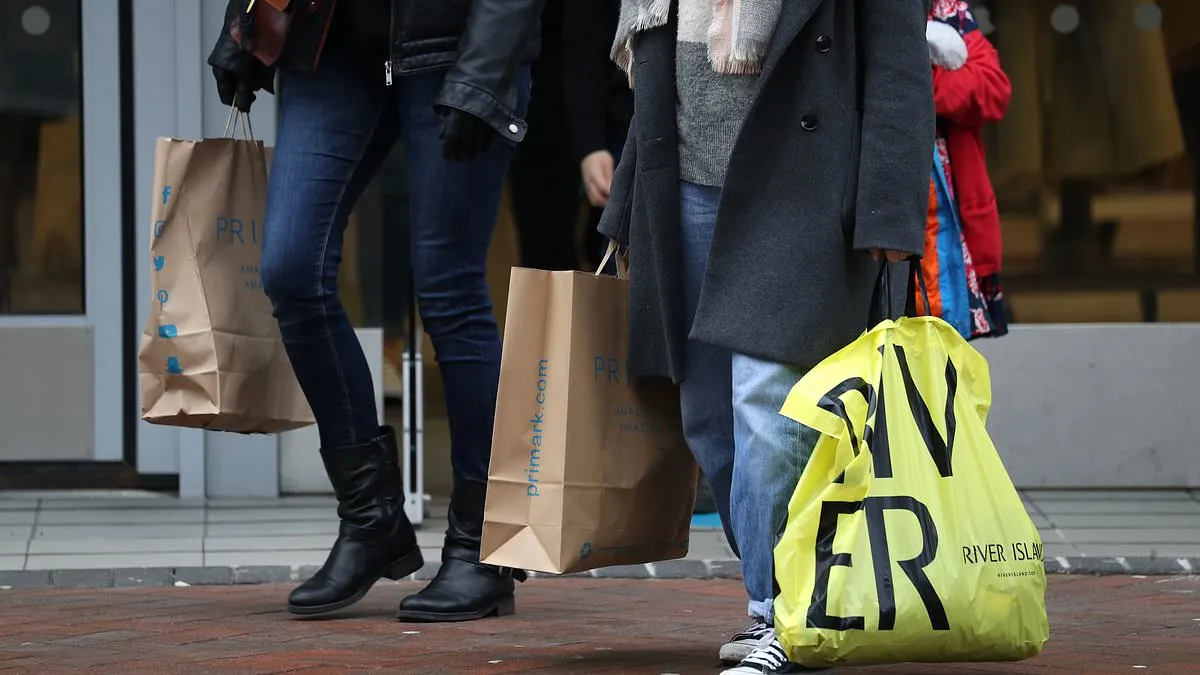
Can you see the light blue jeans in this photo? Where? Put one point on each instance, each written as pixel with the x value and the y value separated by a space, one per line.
pixel 751 455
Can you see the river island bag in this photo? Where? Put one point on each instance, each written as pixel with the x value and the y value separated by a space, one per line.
pixel 588 468
pixel 211 356
pixel 906 541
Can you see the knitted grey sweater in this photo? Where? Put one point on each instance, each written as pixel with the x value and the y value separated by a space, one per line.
pixel 710 106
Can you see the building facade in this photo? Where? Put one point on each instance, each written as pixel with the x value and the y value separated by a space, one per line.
pixel 1099 205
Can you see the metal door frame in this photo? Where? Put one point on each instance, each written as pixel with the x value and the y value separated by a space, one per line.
pixel 175 96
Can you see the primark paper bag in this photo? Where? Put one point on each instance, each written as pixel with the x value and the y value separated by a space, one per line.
pixel 211 356
pixel 589 467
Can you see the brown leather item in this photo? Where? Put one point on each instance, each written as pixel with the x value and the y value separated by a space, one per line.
pixel 272 19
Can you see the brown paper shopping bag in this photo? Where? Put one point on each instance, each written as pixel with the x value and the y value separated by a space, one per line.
pixel 589 469
pixel 211 356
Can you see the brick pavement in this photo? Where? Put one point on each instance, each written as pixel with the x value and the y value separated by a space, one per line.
pixel 1116 624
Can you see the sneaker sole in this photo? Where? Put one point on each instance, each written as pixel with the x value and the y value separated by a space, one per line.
pixel 733 653
pixel 794 668
pixel 399 569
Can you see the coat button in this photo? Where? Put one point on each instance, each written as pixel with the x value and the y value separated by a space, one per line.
pixel 808 122
pixel 514 128
pixel 824 43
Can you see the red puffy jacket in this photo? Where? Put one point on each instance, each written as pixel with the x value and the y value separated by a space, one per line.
pixel 966 98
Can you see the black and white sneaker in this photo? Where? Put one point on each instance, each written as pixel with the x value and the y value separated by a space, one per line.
pixel 743 644
pixel 768 658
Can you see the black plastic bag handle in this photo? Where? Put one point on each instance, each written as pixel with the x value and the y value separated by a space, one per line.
pixel 881 299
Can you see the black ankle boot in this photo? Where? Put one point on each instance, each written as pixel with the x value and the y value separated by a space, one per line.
pixel 464 589
pixel 375 539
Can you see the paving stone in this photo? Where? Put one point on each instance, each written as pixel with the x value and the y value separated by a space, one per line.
pixel 1053 566
pixel 1155 566
pixel 1101 624
pixel 680 569
pixel 276 574
pixel 1097 566
pixel 204 576
pixel 677 569
pixel 147 576
pixel 82 578
pixel 624 572
pixel 20 579
pixel 588 574
pixel 104 637
pixel 725 569
pixel 305 572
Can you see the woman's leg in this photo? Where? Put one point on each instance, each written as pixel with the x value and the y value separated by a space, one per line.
pixel 397 245
pixel 454 209
pixel 334 127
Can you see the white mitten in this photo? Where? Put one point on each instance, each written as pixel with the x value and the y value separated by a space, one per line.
pixel 946 46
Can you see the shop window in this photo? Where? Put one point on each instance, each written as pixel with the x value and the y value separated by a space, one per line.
pixel 41 206
pixel 1094 165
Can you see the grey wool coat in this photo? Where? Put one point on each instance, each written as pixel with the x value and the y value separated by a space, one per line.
pixel 833 160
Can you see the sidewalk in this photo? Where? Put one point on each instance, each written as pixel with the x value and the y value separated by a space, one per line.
pixel 153 539
pixel 1099 625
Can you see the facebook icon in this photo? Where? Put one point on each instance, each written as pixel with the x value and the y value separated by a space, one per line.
pixel 166 192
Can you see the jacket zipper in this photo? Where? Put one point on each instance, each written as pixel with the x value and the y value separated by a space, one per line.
pixel 387 65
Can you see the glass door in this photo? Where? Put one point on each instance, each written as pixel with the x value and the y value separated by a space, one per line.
pixel 61 239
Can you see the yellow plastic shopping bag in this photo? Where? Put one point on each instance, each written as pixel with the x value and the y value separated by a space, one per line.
pixel 906 540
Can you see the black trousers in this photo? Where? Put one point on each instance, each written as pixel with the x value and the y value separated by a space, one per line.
pixel 544 190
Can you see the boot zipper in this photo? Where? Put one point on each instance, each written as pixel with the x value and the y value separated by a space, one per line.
pixel 387 71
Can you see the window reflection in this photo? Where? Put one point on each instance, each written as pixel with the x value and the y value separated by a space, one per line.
pixel 41 210
pixel 1093 165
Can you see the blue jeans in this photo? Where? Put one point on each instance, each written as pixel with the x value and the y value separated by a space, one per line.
pixel 336 126
pixel 751 455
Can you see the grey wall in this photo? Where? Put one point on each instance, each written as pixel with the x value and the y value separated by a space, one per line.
pixel 46 411
pixel 1083 406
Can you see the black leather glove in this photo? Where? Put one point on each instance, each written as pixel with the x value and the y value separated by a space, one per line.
pixel 236 87
pixel 463 135
pixel 238 73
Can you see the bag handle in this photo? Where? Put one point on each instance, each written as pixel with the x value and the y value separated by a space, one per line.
pixel 622 260
pixel 910 303
pixel 881 299
pixel 231 128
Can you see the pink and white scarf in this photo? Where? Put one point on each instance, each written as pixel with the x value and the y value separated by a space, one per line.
pixel 737 36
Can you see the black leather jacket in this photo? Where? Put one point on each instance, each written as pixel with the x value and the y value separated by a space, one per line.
pixel 481 44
